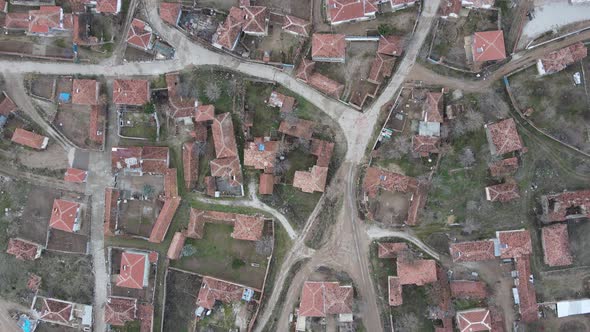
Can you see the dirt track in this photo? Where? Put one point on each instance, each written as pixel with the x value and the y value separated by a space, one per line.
pixel 6 322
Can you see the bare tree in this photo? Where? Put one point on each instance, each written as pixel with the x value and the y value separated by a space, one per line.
pixel 212 91
pixel 466 158
pixel 398 147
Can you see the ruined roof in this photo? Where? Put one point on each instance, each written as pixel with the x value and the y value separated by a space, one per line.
pixel 504 167
pixel 224 136
pixel 416 272
pixel 449 8
pixel 120 310
pixel 390 249
pixel 488 45
pixel 7 106
pixel 170 12
pixel 323 150
pixel 566 205
pixel 108 6
pixel 164 219
pixel 425 145
pixel 131 92
pixel 266 184
pixel 228 169
pixel 326 85
pixel 176 246
pixel 85 92
pixel 556 246
pixel 469 289
pixel 111 197
pixel 381 67
pixel 204 113
pixel 261 155
pixel 312 180
pixel 255 19
pixel 23 249
pixel 528 307
pixel 75 175
pixel 376 178
pixel 558 60
pixel 34 282
pixel 125 157
pixel 328 46
pixel 285 103
pixel 297 127
pixel 229 31
pixel 504 192
pixel 296 25
pixel 474 320
pixel 145 315
pixel 432 109
pixel 30 139
pixel 339 11
pixel 140 34
pixel 95 133
pixel 213 289
pixel 56 311
pixel 514 243
pixel 394 289
pixel 134 270
pixel 319 299
pixel 190 163
pixel 472 251
pixel 45 19
pixel 305 70
pixel 391 45
pixel 503 137
pixel 247 228
pixel 64 215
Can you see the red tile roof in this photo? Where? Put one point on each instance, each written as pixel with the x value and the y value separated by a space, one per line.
pixel 449 8
pixel 472 251
pixel 45 19
pixel 224 136
pixel 16 21
pixel 469 289
pixel 190 161
pixel 556 246
pixel 391 45
pixel 566 205
pixel 433 107
pixel 266 184
pixel 131 92
pixel 261 155
pixel 108 6
pixel 171 183
pixel 176 246
pixel 229 31
pixel 181 107
pixel 339 11
pixel 305 69
pixel 164 220
pixel 297 25
pixel 34 282
pixel 488 46
pixel 285 103
pixel 199 133
pixel 328 46
pixel 228 169
pixel 255 20
pixel 515 243
pixel 56 311
pixel 417 203
pixel 297 127
pixel 85 92
pixel 23 249
pixel 326 85
pixel 120 310
pixel 126 157
pixel 170 12
pixel 381 67
pixel 213 289
pixel 204 113
pixel 140 34
pixel 30 139
pixel 376 178
pixel 155 159
pixel 416 272
pixel 7 106
pixel 503 137
pixel 474 320
pixel 134 267
pixel 75 175
pixel 394 289
pixel 64 216
pixel 425 145
pixel 95 132
pixel 323 150
pixel 504 192
pixel 390 249
pixel 558 60
pixel 111 210
pixel 504 167
pixel 319 299
pixel 145 315
pixel 312 180
pixel 528 307
pixel 248 228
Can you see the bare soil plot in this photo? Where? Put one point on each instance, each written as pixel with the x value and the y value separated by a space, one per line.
pixel 35 49
pixel 136 185
pixel 138 124
pixel 282 46
pixel 67 242
pixel 579 246
pixel 400 22
pixel 73 121
pixel 137 217
pixel 218 255
pixel 181 296
pixel 64 85
pixel 390 208
pixel 134 54
pixel 560 107
pixel 37 212
pixel 43 86
pixel 300 8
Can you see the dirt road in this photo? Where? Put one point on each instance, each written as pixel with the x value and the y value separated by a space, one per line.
pixel 6 322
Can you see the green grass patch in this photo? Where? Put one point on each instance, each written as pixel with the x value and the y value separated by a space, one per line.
pixel 299 161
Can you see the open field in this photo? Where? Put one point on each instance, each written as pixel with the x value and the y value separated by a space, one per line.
pixel 137 217
pixel 181 296
pixel 266 118
pixel 73 122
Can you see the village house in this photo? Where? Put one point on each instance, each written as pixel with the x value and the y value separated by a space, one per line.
pixel 467 289
pixel 85 92
pixel 565 206
pixel 213 290
pixel 320 299
pixel 65 313
pixel 47 21
pixel 190 161
pixel 108 6
pixel 473 320
pixel 7 108
pixel 486 46
pixel 140 35
pixel 381 68
pixel 328 47
pixel 324 84
pixel 504 167
pixel 134 270
pixel 285 103
pixel 341 11
pixel 557 61
pixel 138 160
pixel 252 20
pixel 246 227
pixel 131 92
pixel 122 310
pixel 65 216
pixel 29 139
pixel 296 26
pixel 503 137
pixel 226 169
pixel 556 246
pixel 23 249
pixel 170 12
pixel 504 192
pixel 391 45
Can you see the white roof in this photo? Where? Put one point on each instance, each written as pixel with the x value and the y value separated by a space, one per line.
pixel 573 307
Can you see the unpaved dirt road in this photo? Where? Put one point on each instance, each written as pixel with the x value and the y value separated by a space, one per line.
pixel 7 324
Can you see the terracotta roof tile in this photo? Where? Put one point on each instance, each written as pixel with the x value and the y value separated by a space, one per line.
pixel 213 289
pixel 425 145
pixel 449 8
pixel 45 19
pixel 182 107
pixel 133 270
pixel 16 21
pixel 266 184
pixel 390 249
pixel 30 139
pixel 261 155
pixel 95 127
pixel 190 161
pixel 474 320
pixel 164 220
pixel 558 60
pixel 248 228
pixel 319 299
pixel 328 47
pixel 140 34
pixel 323 150
pixel 297 127
pixel 170 12
pixel 504 167
pixel 504 192
pixel 64 216
pixel 381 67
pixel 120 310
pixel 255 20
pixel 305 69
pixel 171 183
pixel 391 45
pixel 34 282
pixel 469 289
pixel 472 251
pixel 108 6
pixel 228 32
pixel 432 110
pixel 488 46
pixel 145 315
pixel 376 179
pixel 204 113
pixel 7 106
pixel 285 103
pixel 514 243
pixel 227 169
pixel 224 136
pixel 503 137
pixel 326 85
pixel 75 175
pixel 566 205
pixel 416 272
pixel 56 311
pixel 23 249
pixel 312 180
pixel 528 307
pixel 339 11
pixel 155 159
pixel 131 92
pixel 556 246
pixel 176 246
pixel 85 92
pixel 297 25
pixel 111 210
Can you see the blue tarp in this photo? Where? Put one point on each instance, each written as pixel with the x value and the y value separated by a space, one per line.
pixel 64 96
pixel 248 294
pixel 260 147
